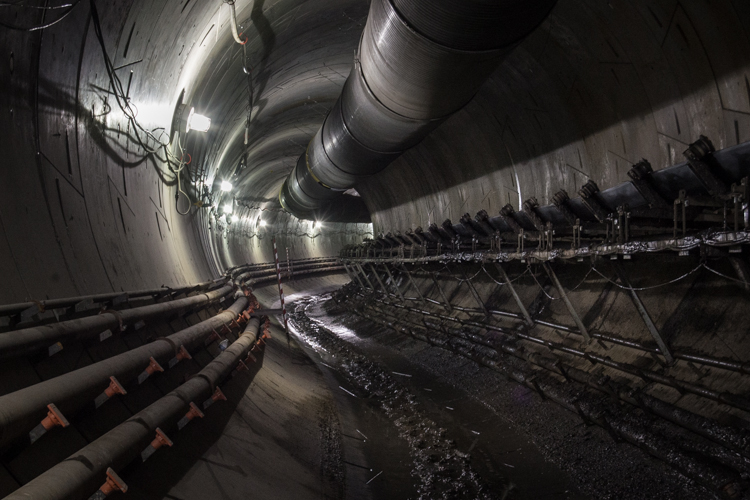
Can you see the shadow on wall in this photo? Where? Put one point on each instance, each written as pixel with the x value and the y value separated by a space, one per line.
pixel 53 99
pixel 597 87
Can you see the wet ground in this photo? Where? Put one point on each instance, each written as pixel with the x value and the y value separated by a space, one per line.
pixel 502 440
pixel 457 446
pixel 347 408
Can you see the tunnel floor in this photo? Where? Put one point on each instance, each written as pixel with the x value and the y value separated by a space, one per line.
pixel 346 408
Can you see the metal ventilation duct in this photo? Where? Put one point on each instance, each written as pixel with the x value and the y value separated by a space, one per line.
pixel 418 63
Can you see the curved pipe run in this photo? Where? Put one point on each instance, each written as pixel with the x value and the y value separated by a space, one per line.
pixel 418 63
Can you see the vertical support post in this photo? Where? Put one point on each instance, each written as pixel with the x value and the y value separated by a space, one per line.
pixel 400 295
pixel 663 348
pixel 380 282
pixel 516 297
pixel 288 265
pixel 281 289
pixel 476 295
pixel 442 294
pixel 413 284
pixel 568 304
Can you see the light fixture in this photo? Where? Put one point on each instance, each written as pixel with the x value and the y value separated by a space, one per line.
pixel 199 123
pixel 316 225
pixel 262 222
pixel 228 209
pixel 226 186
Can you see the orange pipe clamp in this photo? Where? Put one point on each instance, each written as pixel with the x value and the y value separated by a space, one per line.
pixel 153 366
pixel 113 483
pixel 54 418
pixel 218 395
pixel 160 440
pixel 193 412
pixel 114 388
pixel 183 354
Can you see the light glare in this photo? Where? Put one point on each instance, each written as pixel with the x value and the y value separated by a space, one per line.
pixel 228 208
pixel 197 122
pixel 226 186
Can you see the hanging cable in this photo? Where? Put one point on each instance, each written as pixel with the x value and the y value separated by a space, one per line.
pixel 65 14
pixel 234 23
pixel 655 286
pixel 124 103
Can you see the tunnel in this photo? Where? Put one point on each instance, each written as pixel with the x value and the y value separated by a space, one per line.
pixel 375 249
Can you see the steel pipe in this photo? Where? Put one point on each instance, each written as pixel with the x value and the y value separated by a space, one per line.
pixel 81 474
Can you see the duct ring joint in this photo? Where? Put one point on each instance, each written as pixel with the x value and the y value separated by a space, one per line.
pixel 117 315
pixel 307 164
pixel 208 380
pixel 170 342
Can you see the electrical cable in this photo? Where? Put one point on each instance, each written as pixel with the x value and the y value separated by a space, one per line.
pixel 123 101
pixel 37 7
pixel 724 275
pixel 235 35
pixel 634 289
pixel 65 14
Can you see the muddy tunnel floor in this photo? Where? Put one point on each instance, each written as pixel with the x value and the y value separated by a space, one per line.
pixel 431 424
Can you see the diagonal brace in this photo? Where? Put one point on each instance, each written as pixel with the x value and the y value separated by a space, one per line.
pixel 395 285
pixel 413 284
pixel 663 348
pixel 568 304
pixel 517 298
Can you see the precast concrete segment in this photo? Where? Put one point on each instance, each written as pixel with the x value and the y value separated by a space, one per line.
pixel 30 340
pixel 21 410
pixel 404 84
pixel 80 475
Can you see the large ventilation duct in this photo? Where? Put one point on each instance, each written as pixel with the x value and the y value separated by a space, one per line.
pixel 419 61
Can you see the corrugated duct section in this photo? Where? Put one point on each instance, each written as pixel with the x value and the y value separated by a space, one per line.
pixel 418 63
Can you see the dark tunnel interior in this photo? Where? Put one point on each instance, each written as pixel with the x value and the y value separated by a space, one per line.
pixel 375 249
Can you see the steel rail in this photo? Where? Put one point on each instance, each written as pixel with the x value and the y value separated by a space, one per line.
pixel 84 471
